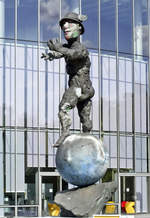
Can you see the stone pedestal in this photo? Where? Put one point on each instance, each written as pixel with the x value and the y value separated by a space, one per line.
pixel 84 202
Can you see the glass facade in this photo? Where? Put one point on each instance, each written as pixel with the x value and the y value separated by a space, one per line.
pixel 117 36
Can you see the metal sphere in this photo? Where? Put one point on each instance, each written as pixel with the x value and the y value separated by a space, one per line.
pixel 81 160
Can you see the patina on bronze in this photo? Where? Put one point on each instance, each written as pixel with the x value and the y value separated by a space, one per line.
pixel 81 159
pixel 77 60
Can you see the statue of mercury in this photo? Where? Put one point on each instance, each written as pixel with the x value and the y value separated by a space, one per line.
pixel 80 90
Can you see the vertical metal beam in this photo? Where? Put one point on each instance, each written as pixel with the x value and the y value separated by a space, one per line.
pixel 60 183
pixel 133 85
pixel 80 7
pixel 80 12
pixel 15 111
pixel 148 156
pixel 60 15
pixel 39 195
pixel 38 105
pixel 99 67
pixel 133 90
pixel 118 110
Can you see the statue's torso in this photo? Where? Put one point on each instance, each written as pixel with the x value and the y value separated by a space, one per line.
pixel 78 69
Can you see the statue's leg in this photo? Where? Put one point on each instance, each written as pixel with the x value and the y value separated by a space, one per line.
pixel 84 110
pixel 69 101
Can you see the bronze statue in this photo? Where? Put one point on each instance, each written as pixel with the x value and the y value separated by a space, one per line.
pixel 77 60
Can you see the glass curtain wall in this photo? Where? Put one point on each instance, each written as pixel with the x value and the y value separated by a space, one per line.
pixel 117 36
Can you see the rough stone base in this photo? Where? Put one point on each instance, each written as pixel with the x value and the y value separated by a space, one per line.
pixel 87 201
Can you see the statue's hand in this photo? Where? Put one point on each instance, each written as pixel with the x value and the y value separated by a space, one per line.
pixel 48 56
pixel 54 44
pixel 45 56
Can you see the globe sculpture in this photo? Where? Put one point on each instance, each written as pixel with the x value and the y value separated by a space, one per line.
pixel 81 160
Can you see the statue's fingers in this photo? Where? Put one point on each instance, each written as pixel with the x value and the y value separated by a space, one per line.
pixel 53 41
pixel 43 55
pixel 49 43
pixel 57 40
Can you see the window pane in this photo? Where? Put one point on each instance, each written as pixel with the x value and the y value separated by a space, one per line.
pixel 27 19
pixel 110 145
pixel 7 21
pixel 90 37
pixel 141 27
pixel 126 152
pixel 127 189
pixel 140 74
pixel 109 92
pixel 125 93
pixel 27 211
pixel 142 194
pixel 107 24
pixel 49 17
pixel 68 6
pixel 7 212
pixel 125 26
pixel 140 154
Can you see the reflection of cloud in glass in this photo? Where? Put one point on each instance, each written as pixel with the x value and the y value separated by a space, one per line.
pixel 50 14
pixel 88 43
pixel 145 39
pixel 141 39
pixel 69 6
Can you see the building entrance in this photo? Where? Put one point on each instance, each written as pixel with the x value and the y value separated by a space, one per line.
pixel 48 183
pixel 127 194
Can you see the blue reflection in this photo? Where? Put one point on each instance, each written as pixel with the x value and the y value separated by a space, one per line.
pixel 27 19
pixel 49 19
pixel 125 26
pixel 141 27
pixel 108 25
pixel 90 38
pixel 8 19
pixel 68 6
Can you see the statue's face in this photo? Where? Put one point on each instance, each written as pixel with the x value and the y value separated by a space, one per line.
pixel 71 29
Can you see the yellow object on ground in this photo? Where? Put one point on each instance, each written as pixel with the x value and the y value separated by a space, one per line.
pixel 108 216
pixel 129 207
pixel 54 209
pixel 110 208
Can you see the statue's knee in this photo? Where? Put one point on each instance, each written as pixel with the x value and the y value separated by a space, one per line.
pixel 66 107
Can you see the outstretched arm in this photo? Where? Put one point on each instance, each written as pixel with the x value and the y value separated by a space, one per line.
pixel 51 55
pixel 71 53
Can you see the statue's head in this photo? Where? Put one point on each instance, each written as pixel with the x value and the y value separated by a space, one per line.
pixel 72 26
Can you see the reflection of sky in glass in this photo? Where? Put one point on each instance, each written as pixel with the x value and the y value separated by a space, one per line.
pixel 141 27
pixel 27 19
pixel 69 6
pixel 90 37
pixel 49 17
pixel 50 14
pixel 125 26
pixel 108 24
pixel 8 19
